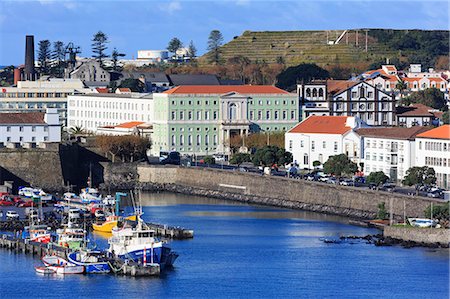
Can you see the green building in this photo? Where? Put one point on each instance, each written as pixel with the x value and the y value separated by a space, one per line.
pixel 201 119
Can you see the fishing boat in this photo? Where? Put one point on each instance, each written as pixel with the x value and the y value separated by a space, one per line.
pixel 422 222
pixel 71 237
pixel 111 222
pixel 93 261
pixel 37 233
pixel 139 244
pixel 61 266
pixel 89 195
pixel 44 270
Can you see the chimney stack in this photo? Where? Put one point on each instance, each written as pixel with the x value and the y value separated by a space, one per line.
pixel 29 72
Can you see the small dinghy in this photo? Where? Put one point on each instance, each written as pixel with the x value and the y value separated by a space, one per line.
pixel 44 270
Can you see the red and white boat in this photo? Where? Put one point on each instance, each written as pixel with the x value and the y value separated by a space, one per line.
pixel 44 270
pixel 39 234
pixel 61 266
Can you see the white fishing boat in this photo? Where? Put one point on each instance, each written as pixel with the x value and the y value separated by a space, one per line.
pixel 44 270
pixel 93 261
pixel 90 195
pixel 61 266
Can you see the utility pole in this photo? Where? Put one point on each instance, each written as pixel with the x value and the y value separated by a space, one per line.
pixel 366 40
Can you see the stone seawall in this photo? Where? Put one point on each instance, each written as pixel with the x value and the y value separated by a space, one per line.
pixel 277 191
pixel 36 167
pixel 420 235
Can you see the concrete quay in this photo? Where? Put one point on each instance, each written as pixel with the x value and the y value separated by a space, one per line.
pixel 425 236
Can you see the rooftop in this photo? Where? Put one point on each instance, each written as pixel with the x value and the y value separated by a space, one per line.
pixel 415 110
pixel 393 132
pixel 22 118
pixel 322 125
pixel 193 79
pixel 442 132
pixel 222 89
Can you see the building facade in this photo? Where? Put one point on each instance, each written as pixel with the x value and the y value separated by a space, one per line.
pixel 91 111
pixel 417 115
pixel 202 119
pixel 30 127
pixel 348 98
pixel 319 137
pixel 433 150
pixel 390 150
pixel 37 96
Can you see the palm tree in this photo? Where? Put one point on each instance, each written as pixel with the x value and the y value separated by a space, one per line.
pixel 77 130
pixel 401 86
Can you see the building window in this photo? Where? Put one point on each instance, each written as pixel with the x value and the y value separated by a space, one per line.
pixel 215 139
pixel 173 140
pixel 190 140
pixel 174 115
pixel 259 115
pixel 335 146
pixel 324 144
pixel 276 115
pixel 313 145
pixel 301 143
pixel 199 139
pixel 290 145
pixel 292 114
pixel 189 115
pixel 206 115
pixel 251 115
pixel 21 129
pixel 181 140
pixel 181 115
pixel 8 129
pixel 305 159
pixel 284 114
pixel 199 115
pixel 214 115
pixel 267 114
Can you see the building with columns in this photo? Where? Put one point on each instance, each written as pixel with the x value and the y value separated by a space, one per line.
pixel 201 119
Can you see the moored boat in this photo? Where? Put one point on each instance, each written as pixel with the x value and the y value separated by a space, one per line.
pixel 93 261
pixel 422 222
pixel 90 195
pixel 37 233
pixel 111 222
pixel 44 270
pixel 61 266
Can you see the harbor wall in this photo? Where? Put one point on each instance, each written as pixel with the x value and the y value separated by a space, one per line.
pixel 37 167
pixel 419 235
pixel 279 191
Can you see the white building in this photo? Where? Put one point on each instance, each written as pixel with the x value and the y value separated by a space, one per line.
pixel 30 127
pixel 391 150
pixel 319 137
pixel 91 111
pixel 348 98
pixel 36 96
pixel 417 115
pixel 433 150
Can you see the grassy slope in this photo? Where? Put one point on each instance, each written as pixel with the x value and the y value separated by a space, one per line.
pixel 307 46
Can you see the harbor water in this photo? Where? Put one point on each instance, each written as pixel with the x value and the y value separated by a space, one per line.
pixel 247 251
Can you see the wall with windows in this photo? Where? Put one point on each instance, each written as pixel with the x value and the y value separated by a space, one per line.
pixel 435 153
pixel 392 156
pixel 97 110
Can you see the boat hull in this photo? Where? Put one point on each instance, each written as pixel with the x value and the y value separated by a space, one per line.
pixel 67 269
pixel 108 226
pixel 161 255
pixel 94 268
pixel 44 270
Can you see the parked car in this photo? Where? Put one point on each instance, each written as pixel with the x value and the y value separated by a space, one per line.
pixel 6 201
pixel 347 182
pixel 172 158
pixel 74 213
pixel 435 194
pixel 323 178
pixel 373 186
pixel 311 177
pixel 219 158
pixel 25 203
pixel 99 213
pixel 332 180
pixel 10 215
pixel 388 187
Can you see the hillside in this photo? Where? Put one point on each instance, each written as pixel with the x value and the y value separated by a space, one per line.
pixel 346 48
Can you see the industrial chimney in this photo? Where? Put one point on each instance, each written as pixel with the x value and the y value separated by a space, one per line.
pixel 29 73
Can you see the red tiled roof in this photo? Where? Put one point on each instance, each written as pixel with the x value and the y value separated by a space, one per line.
pixel 414 110
pixel 442 132
pixel 221 89
pixel 22 118
pixel 129 125
pixel 322 125
pixel 102 90
pixel 393 132
pixel 337 86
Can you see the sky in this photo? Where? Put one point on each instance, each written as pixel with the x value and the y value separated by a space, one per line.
pixel 149 25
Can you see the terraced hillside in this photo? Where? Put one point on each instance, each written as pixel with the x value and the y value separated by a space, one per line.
pixel 324 48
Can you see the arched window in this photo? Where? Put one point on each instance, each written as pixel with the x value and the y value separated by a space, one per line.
pixel 308 92
pixel 232 111
pixel 362 92
pixel 320 92
pixel 314 93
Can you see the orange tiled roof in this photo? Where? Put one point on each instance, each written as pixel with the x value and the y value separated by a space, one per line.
pixel 411 79
pixel 22 118
pixel 221 89
pixel 322 125
pixel 337 86
pixel 414 110
pixel 129 125
pixel 442 132
pixel 437 79
pixel 392 132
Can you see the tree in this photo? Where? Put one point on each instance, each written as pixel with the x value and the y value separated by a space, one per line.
pixel 128 147
pixel 77 130
pixel 401 87
pixel 420 176
pixel 209 160
pixel 44 55
pixel 431 97
pixel 134 85
pixel 215 41
pixel 240 158
pixel 174 45
pixel 192 50
pixel 377 178
pixel 99 47
pixel 58 54
pixel 340 165
pixel 306 72
pixel 440 212
pixel 446 118
pixel 382 213
pixel 316 163
pixel 115 58
pixel 270 155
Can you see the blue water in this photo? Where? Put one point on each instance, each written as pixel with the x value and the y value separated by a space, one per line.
pixel 243 251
